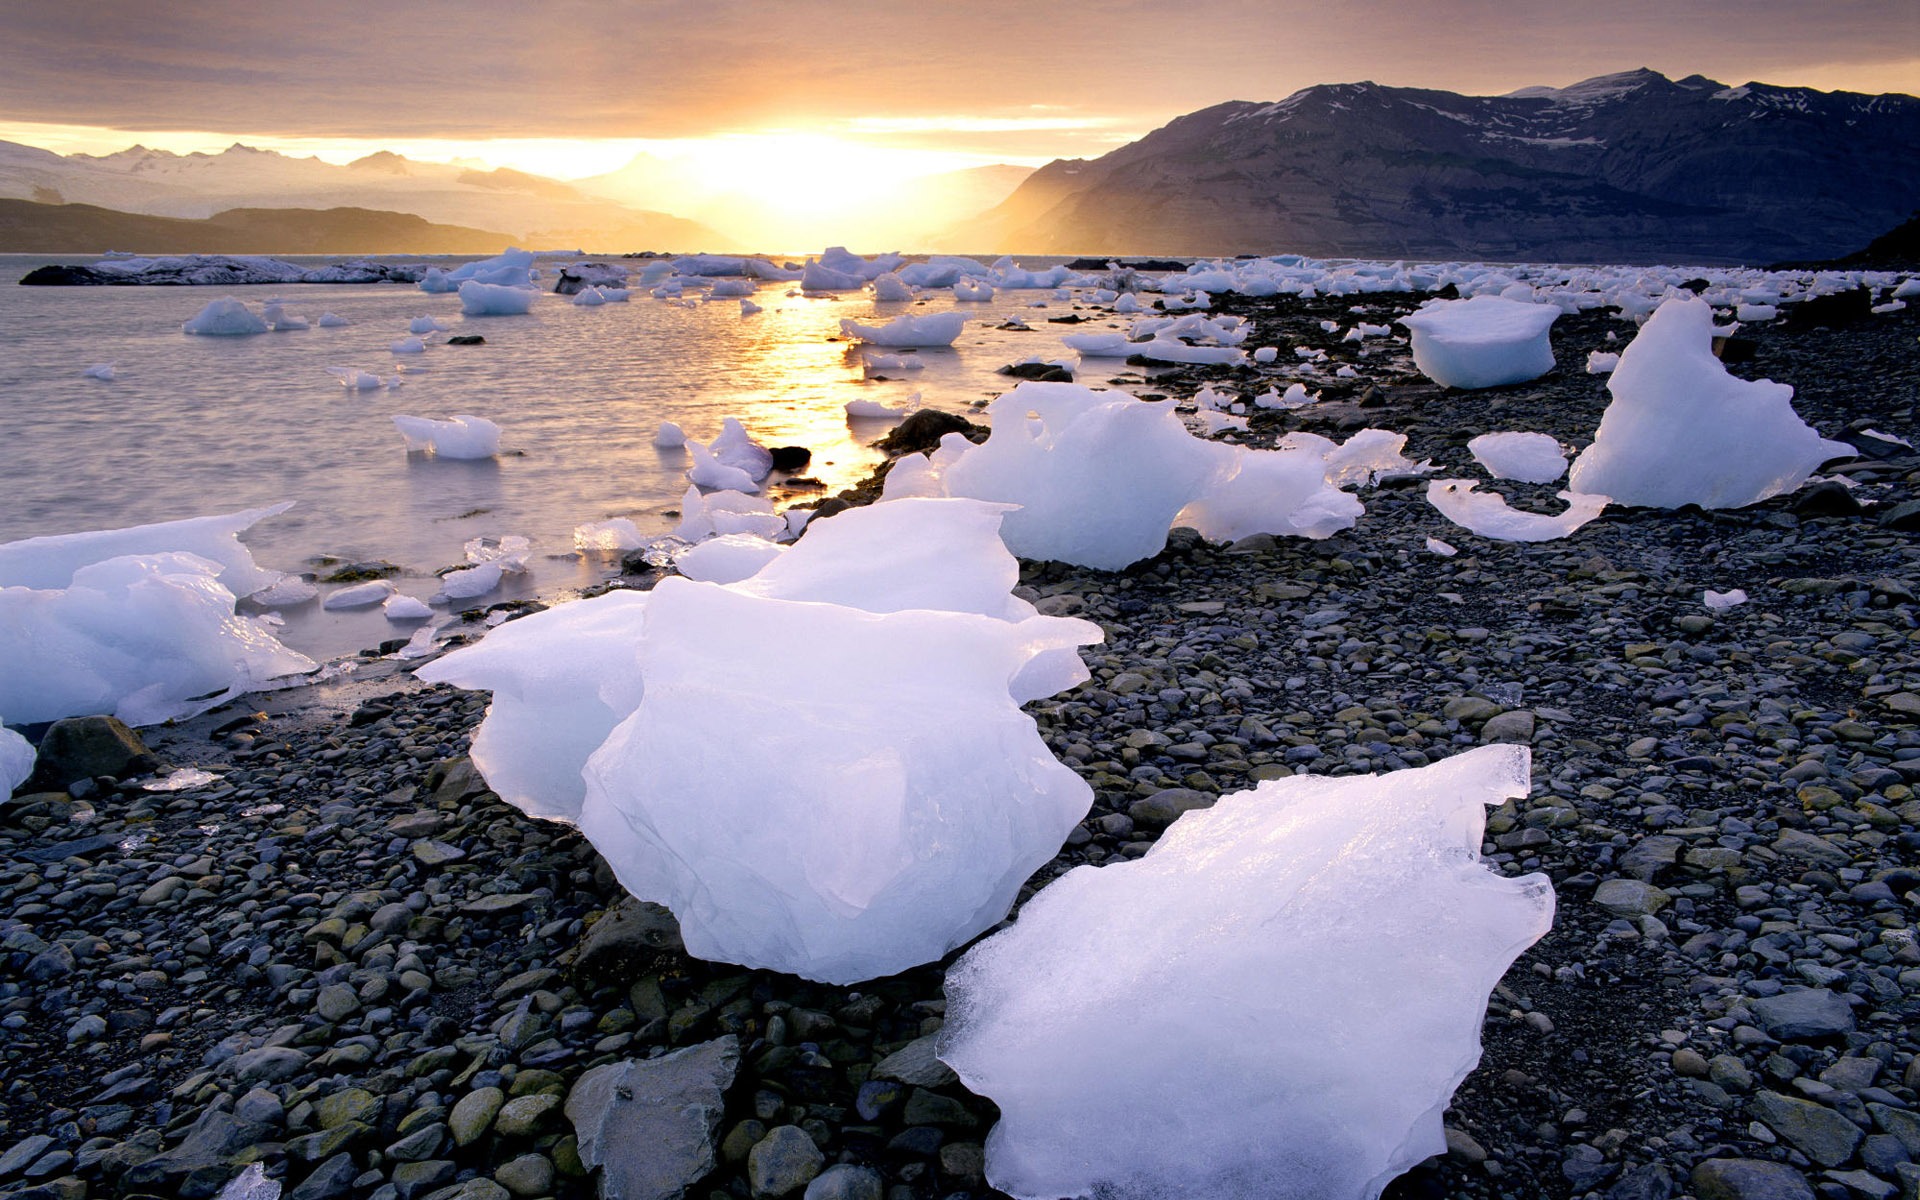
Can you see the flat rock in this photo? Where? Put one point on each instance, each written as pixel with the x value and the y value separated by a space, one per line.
pixel 1818 1132
pixel 1630 897
pixel 1748 1179
pixel 1165 806
pixel 650 1124
pixel 917 1063
pixel 1804 1015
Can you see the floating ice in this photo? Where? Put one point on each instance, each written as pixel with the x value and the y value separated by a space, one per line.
pixel 590 297
pixel 1724 600
pixel 512 268
pixel 726 558
pixel 355 380
pixel 891 288
pixel 876 363
pixel 669 436
pixel 330 320
pixel 225 317
pixel 290 591
pixel 1680 430
pixel 839 258
pixel 735 447
pixel 50 561
pixel 969 291
pixel 873 410
pixel 405 608
pixel 748 308
pixel 1348 921
pixel 282 321
pixel 360 595
pixel 427 325
pixel 458 437
pixel 818 278
pixel 147 638
pixel 1526 457
pixel 1061 451
pixel 17 757
pixel 1481 342
pixel 495 299
pixel 939 329
pixel 1281 492
pixel 1489 515
pixel 408 345
pixel 1170 350
pixel 616 535
pixel 889 819
pixel 481 578
pixel 1099 345
pixel 709 472
pixel 101 371
pixel 725 511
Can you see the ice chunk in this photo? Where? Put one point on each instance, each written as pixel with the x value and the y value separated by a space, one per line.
pixel 1724 600
pixel 709 472
pixel 495 299
pixel 1296 396
pixel 1099 345
pixel 726 558
pixel 1443 549
pixel 890 288
pixel 1527 457
pixel 589 297
pixel 100 371
pixel 1266 354
pixel 147 638
pixel 408 345
pixel 17 757
pixel 725 511
pixel 873 410
pixel 970 291
pixel 734 447
pixel 1485 341
pixel 877 363
pixel 1347 920
pixel 477 580
pixel 1489 515
pixel 290 591
pixel 1172 350
pixel 329 320
pixel 1281 492
pixel 819 278
pixel 512 268
pixel 748 308
pixel 360 595
pixel 839 258
pixel 889 819
pixel 1099 476
pixel 669 436
pixel 1600 362
pixel 939 329
pixel 355 380
pixel 427 325
pixel 458 437
pixel 405 608
pixel 1681 430
pixel 50 561
pixel 225 317
pixel 617 535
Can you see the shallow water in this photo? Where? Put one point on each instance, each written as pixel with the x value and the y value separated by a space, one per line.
pixel 199 425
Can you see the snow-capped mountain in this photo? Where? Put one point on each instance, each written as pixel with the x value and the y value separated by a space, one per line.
pixel 159 183
pixel 1632 167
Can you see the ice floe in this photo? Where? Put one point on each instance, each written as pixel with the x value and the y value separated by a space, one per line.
pixel 50 561
pixel 225 317
pixel 935 330
pixel 462 436
pixel 495 299
pixel 1483 341
pixel 1526 457
pixel 1489 515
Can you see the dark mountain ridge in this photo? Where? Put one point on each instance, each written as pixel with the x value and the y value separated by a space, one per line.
pixel 1633 167
pixel 30 228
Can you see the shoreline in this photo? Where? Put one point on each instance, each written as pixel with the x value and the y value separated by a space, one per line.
pixel 391 942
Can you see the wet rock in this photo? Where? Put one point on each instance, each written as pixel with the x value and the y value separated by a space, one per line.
pixel 1748 1179
pixel 1804 1015
pixel 916 1063
pixel 650 1125
pixel 783 1162
pixel 1820 1133
pixel 79 748
pixel 625 942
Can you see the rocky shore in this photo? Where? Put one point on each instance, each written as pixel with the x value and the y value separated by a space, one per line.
pixel 342 959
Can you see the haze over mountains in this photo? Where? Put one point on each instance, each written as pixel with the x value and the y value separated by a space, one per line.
pixel 1632 167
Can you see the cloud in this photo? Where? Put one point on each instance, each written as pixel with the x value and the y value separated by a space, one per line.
pixel 684 68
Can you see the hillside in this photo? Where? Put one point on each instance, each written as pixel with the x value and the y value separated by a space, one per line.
pixel 1632 167
pixel 30 228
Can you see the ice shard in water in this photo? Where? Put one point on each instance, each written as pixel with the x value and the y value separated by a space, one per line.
pixel 1316 956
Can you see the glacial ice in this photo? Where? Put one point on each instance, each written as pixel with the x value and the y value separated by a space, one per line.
pixel 1484 341
pixel 938 329
pixel 890 288
pixel 839 258
pixel 1099 345
pixel 355 380
pixel 462 436
pixel 50 561
pixel 1489 515
pixel 225 317
pixel 615 535
pixel 399 607
pixel 1281 492
pixel 1316 954
pixel 735 447
pixel 726 558
pixel 1720 601
pixel 145 637
pixel 709 472
pixel 819 278
pixel 1681 430
pixel 1526 457
pixel 427 325
pixel 873 410
pixel 359 595
pixel 102 371
pixel 512 268
pixel 972 291
pixel 909 735
pixel 1060 465
pixel 726 511
pixel 1601 362
pixel 17 757
pixel 495 299
pixel 329 320
pixel 669 436
pixel 408 345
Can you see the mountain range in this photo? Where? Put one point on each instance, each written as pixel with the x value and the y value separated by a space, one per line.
pixel 30 228
pixel 1633 167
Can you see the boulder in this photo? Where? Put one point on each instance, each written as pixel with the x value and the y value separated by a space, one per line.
pixel 650 1124
pixel 79 748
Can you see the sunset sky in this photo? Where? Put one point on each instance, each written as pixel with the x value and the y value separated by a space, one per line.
pixel 571 88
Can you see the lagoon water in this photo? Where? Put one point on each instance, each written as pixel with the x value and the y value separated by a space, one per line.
pixel 198 425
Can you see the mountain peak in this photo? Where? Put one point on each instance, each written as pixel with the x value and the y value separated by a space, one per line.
pixel 1598 88
pixel 385 161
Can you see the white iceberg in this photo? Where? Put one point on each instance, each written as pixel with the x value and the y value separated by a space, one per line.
pixel 102 371
pixel 426 325
pixel 890 818
pixel 511 268
pixel 330 320
pixel 735 447
pixel 1525 457
pixel 890 288
pixel 1489 515
pixel 709 472
pixel 939 329
pixel 17 757
pixel 50 561
pixel 1280 492
pixel 147 638
pixel 1484 341
pixel 873 410
pixel 614 535
pixel 1721 601
pixel 1099 476
pixel 1317 955
pixel 359 595
pixel 355 380
pixel 726 557
pixel 820 278
pixel 495 299
pixel 225 317
pixel 408 345
pixel 1099 345
pixel 399 607
pixel 971 291
pixel 726 511
pixel 458 437
pixel 669 436
pixel 1681 430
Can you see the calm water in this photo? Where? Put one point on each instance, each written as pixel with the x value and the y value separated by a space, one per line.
pixel 199 425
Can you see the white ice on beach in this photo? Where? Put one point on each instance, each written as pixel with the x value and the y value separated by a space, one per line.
pixel 733 446
pixel 1489 515
pixel 1056 450
pixel 492 563
pixel 669 436
pixel 1601 362
pixel 399 607
pixel 1348 920
pixel 709 472
pixel 50 561
pixel 935 330
pixel 495 299
pixel 1720 601
pixel 427 325
pixel 1525 457
pixel 1098 345
pixel 1444 549
pixel 144 637
pixel 616 535
pixel 1280 492
pixel 972 291
pixel 17 757
pixel 1483 341
pixel 463 436
pixel 225 317
pixel 890 288
pixel 891 818
pixel 1681 430
pixel 873 410
pixel 726 511
pixel 726 558
pixel 359 595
